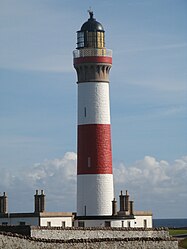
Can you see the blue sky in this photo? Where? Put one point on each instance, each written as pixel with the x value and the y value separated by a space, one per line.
pixel 148 98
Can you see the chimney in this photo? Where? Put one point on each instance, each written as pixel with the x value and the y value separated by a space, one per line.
pixel 131 207
pixel 42 201
pixel 126 202
pixel 39 202
pixel 3 204
pixel 114 207
pixel 121 200
pixel 36 202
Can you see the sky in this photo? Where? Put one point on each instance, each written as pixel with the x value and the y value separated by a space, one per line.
pixel 148 93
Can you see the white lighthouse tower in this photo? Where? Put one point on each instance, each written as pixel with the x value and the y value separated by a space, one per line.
pixel 96 205
pixel 92 62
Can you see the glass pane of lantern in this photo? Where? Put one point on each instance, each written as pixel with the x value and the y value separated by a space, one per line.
pixel 80 39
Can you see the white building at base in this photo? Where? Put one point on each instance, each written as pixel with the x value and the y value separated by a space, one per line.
pixel 38 218
pixel 125 217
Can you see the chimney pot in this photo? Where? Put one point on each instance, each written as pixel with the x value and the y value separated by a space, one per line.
pixel 131 207
pixel 114 207
pixel 121 202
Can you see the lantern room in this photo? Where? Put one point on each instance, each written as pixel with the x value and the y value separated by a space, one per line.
pixel 91 35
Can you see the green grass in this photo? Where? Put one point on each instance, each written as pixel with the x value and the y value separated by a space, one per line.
pixel 173 232
pixel 177 231
pixel 183 243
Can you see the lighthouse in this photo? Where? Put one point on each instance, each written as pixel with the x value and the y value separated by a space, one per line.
pixel 93 62
pixel 96 205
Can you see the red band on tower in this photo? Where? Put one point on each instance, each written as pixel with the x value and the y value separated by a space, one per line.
pixel 94 149
pixel 93 59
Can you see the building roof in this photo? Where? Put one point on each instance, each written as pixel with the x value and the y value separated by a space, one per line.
pixel 35 214
pixel 143 213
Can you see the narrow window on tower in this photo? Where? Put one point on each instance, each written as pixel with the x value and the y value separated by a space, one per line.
pixel 89 162
pixel 85 111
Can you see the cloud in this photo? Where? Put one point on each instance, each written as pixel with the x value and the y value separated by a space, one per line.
pixel 56 177
pixel 63 168
pixel 159 184
pixel 154 185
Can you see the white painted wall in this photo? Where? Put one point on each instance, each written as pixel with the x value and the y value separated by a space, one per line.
pixel 101 223
pixel 96 192
pixel 139 221
pixel 94 96
pixel 34 221
pixel 56 221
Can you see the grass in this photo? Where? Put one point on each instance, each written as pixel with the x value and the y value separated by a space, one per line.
pixel 183 243
pixel 174 232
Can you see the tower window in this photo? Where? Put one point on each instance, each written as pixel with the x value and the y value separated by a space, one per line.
pixel 85 111
pixel 98 69
pixel 89 162
pixel 80 39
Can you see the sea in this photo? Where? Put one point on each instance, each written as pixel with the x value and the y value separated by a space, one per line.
pixel 171 223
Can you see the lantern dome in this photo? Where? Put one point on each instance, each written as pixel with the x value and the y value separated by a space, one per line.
pixel 92 24
pixel 91 34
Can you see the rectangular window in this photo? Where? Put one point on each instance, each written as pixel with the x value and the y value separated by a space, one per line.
pixel 100 39
pixel 145 223
pixel 4 223
pixel 89 162
pixel 122 223
pixel 129 224
pixel 81 224
pixel 63 224
pixel 22 223
pixel 107 224
pixel 49 223
pixel 80 39
pixel 91 39
pixel 85 111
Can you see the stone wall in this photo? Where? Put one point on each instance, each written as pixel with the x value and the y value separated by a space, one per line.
pixel 23 230
pixel 97 233
pixel 10 241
